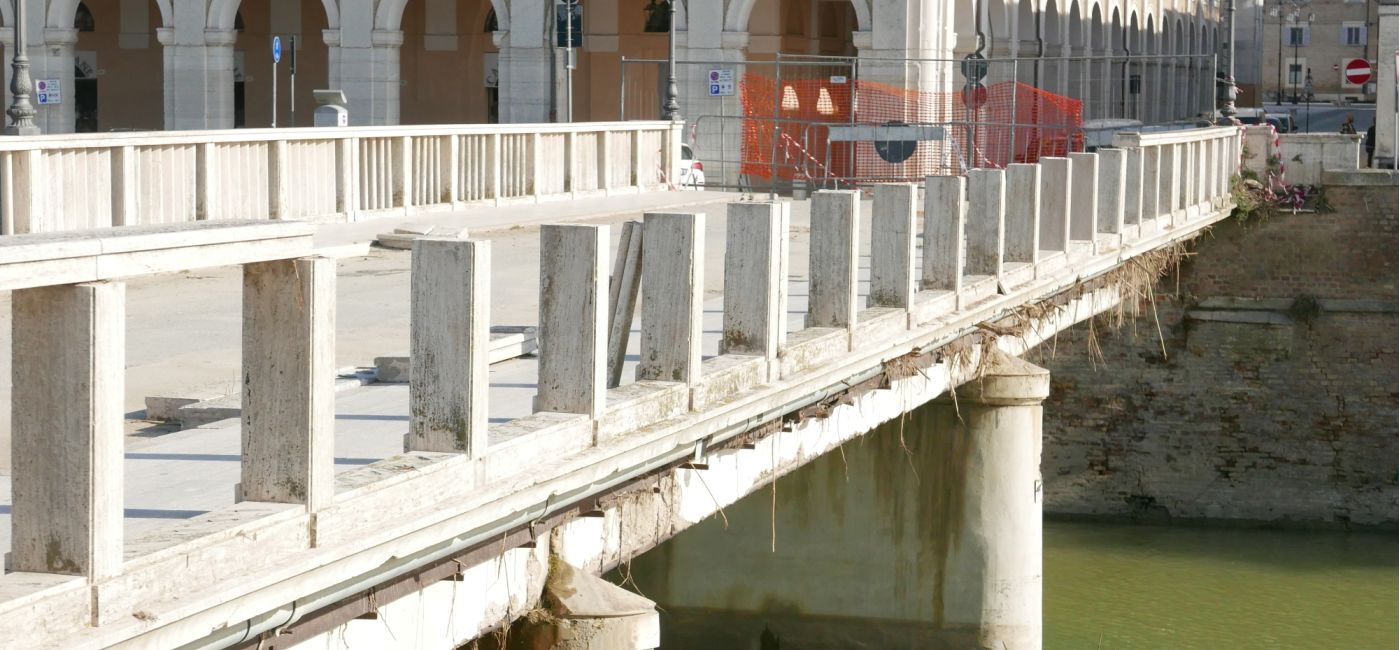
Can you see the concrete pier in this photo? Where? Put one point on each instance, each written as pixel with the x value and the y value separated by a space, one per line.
pixel 991 583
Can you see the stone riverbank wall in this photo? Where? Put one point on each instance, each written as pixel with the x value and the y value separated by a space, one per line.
pixel 1270 396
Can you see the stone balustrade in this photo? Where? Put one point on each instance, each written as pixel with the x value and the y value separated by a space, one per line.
pixel 991 242
pixel 76 182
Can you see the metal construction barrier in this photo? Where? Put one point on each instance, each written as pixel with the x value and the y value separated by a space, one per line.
pixel 764 125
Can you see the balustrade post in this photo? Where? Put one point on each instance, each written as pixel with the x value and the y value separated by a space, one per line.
pixel 1056 194
pixel 833 268
pixel 986 222
pixel 1132 198
pixel 277 179
pixel 945 221
pixel 346 188
pixel 636 160
pixel 124 190
pixel 605 161
pixel 205 194
pixel 755 280
pixel 453 168
pixel 493 168
pixel 403 174
pixel 1023 201
pixel 1084 215
pixel 1113 170
pixel 67 367
pixel 673 288
pixel 1151 187
pixel 289 381
pixel 894 220
pixel 573 319
pixel 449 345
pixel 571 163
pixel 535 169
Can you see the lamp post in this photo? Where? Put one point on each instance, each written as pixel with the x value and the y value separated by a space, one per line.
pixel 21 112
pixel 671 109
pixel 1226 91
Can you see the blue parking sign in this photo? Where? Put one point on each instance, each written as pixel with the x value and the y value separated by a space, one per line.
pixel 276 49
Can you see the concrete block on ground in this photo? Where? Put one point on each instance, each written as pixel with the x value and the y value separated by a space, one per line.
pixel 507 342
pixel 403 237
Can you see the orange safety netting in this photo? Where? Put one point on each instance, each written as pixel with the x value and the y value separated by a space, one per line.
pixel 789 124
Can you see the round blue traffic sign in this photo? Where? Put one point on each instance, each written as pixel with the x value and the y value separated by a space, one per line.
pixel 276 49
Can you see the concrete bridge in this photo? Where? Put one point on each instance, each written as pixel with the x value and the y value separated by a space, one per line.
pixel 451 501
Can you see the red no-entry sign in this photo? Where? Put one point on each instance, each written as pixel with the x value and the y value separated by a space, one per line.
pixel 1357 72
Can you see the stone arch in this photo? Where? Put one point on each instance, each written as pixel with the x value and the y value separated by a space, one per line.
pixel 736 18
pixel 61 12
pixel 223 12
pixel 389 17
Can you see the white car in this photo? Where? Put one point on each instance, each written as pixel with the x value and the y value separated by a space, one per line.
pixel 692 172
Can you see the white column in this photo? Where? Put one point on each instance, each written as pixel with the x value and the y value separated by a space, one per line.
pixel 198 77
pixel 289 381
pixel 945 220
pixel 55 61
pixel 673 287
pixel 1385 81
pixel 573 319
pixel 526 51
pixel 986 222
pixel 992 579
pixel 833 268
pixel 1084 213
pixel 1023 213
pixel 67 369
pixel 755 274
pixel 364 63
pixel 892 228
pixel 1056 176
pixel 449 342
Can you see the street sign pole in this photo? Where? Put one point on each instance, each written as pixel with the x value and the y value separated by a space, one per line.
pixel 276 58
pixel 292 68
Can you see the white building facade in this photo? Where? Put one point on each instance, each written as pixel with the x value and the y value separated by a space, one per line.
pixel 206 64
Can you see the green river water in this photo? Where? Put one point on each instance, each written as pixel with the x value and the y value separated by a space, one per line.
pixel 1110 586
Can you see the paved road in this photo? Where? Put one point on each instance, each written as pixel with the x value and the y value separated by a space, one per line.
pixel 1326 118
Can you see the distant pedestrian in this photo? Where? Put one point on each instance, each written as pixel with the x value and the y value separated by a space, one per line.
pixel 1349 126
pixel 1370 144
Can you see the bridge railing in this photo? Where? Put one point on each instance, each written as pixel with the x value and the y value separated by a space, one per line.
pixel 1026 232
pixel 74 182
